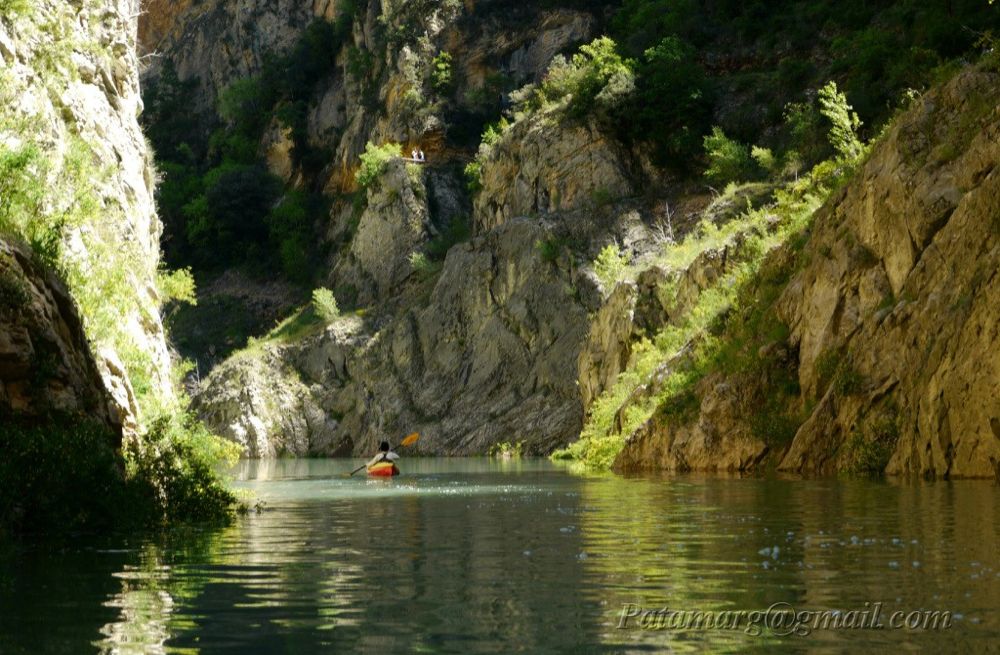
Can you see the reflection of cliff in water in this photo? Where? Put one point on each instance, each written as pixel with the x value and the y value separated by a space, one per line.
pixel 716 544
pixel 398 564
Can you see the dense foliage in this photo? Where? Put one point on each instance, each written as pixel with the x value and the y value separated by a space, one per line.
pixel 671 70
pixel 220 205
pixel 67 475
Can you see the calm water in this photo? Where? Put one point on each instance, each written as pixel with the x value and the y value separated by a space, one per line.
pixel 480 556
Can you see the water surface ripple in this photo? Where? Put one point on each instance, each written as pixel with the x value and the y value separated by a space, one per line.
pixel 485 556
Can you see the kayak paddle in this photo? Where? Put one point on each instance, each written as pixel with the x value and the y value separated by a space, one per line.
pixel 410 439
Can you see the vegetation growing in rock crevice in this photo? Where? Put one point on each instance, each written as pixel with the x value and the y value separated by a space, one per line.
pixel 724 329
pixel 59 198
pixel 374 160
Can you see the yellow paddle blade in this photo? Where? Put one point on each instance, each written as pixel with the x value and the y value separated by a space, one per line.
pixel 410 439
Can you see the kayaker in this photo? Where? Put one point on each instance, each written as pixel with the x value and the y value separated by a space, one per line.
pixel 384 455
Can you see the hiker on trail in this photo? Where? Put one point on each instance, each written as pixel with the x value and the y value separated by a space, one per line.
pixel 421 157
pixel 384 455
pixel 413 155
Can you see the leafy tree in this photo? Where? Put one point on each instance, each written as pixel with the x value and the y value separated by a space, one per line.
pixel 246 105
pixel 728 160
pixel 672 106
pixel 843 120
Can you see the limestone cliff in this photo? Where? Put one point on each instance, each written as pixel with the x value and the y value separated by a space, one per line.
pixel 70 90
pixel 513 336
pixel 541 166
pixel 380 88
pixel 475 349
pixel 891 317
pixel 490 357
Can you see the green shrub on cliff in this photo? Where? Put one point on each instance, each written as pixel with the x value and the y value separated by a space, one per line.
pixel 596 80
pixel 728 160
pixel 374 160
pixel 844 122
pixel 325 305
pixel 441 74
pixel 15 7
pixel 176 286
pixel 610 266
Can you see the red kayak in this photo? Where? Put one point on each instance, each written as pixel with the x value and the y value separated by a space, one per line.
pixel 383 470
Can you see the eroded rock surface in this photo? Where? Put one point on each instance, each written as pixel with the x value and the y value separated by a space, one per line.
pixel 898 300
pixel 80 93
pixel 45 360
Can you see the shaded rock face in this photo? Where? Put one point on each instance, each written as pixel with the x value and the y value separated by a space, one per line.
pixel 490 358
pixel 45 361
pixel 899 292
pixel 218 41
pixel 97 101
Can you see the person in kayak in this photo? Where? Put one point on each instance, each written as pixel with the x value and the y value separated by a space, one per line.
pixel 384 455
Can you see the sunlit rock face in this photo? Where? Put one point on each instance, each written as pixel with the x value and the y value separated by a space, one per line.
pixel 489 358
pixel 83 87
pixel 900 285
pixel 217 42
pixel 542 167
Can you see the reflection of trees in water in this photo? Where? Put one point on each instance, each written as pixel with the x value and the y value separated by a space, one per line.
pixel 144 608
pixel 151 588
pixel 480 561
pixel 660 544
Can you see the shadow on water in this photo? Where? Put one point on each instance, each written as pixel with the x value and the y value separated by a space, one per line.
pixel 479 556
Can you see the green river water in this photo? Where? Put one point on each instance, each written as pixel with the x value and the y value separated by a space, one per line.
pixel 488 556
